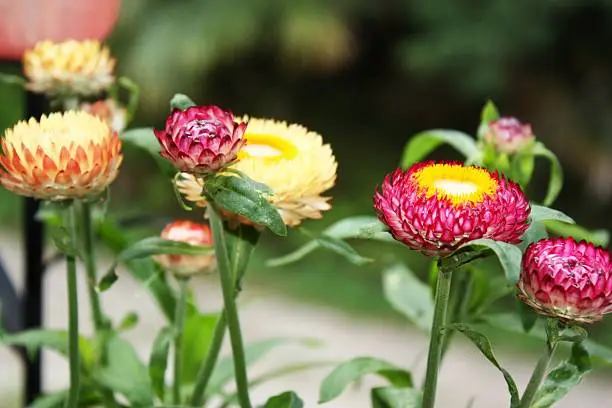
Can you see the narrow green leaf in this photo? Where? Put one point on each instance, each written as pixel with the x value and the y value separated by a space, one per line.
pixel 107 281
pixel 580 358
pixel 158 361
pixel 535 232
pixel 287 399
pixel 509 256
pixel 541 213
pixel 409 296
pixel 224 370
pixel 421 144
pixel 573 334
pixel 391 397
pixel 238 196
pixel 181 101
pixel 128 322
pixel 10 79
pixel 522 166
pixel 555 182
pixel 528 316
pixel 346 373
pixel 557 385
pixel 488 114
pixel 144 138
pixel 597 237
pixel 484 345
pixel 338 246
pixel 197 335
pixel 57 399
pixel 125 374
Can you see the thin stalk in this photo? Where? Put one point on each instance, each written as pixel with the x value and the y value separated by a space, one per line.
pixel 206 369
pixel 231 311
pixel 536 377
pixel 89 259
pixel 73 316
pixel 434 356
pixel 179 323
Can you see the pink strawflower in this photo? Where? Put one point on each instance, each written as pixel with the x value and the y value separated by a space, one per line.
pixel 435 208
pixel 509 135
pixel 201 139
pixel 569 280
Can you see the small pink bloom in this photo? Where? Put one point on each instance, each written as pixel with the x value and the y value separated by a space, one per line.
pixel 509 135
pixel 201 139
pixel 569 280
pixel 435 208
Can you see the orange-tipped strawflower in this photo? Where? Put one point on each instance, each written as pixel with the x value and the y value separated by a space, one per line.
pixel 187 265
pixel 65 156
pixel 509 135
pixel 569 280
pixel 436 207
pixel 108 110
pixel 201 139
pixel 68 69
pixel 290 159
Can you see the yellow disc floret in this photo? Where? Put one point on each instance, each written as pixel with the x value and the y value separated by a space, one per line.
pixel 456 183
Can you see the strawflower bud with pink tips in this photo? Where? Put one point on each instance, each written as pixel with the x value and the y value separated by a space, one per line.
pixel 509 135
pixel 201 139
pixel 436 207
pixel 187 265
pixel 568 280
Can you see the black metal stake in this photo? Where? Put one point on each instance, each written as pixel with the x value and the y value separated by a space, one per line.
pixel 32 303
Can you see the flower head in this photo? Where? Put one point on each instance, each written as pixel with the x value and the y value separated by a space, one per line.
pixel 292 160
pixel 109 111
pixel 509 135
pixel 569 280
pixel 64 156
pixel 437 207
pixel 201 139
pixel 70 68
pixel 191 233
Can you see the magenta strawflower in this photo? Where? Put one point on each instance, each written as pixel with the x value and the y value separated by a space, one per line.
pixel 509 135
pixel 569 280
pixel 201 139
pixel 435 208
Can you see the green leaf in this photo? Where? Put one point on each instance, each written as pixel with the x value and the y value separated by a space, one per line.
pixel 241 243
pixel 56 340
pixel 391 397
pixel 12 79
pixel 535 232
pixel 128 322
pixel 358 227
pixel 409 296
pixel 336 382
pixel 522 166
pixel 489 114
pixel 87 398
pixel 541 213
pixel 555 182
pixel 597 237
pixel 287 399
pixel 181 101
pixel 421 144
pixel 224 370
pixel 144 138
pixel 148 247
pixel 527 315
pixel 509 256
pixel 238 195
pixel 573 334
pixel 557 385
pixel 580 358
pixel 197 335
pixel 484 345
pixel 158 361
pixel 338 246
pixel 125 374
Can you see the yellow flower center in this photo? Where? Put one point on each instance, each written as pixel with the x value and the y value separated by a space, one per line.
pixel 269 147
pixel 457 183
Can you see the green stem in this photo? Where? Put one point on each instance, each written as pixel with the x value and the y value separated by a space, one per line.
pixel 231 311
pixel 73 316
pixel 538 374
pixel 206 369
pixel 90 266
pixel 179 323
pixel 434 356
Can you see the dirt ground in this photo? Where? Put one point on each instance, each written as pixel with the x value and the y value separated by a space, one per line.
pixel 465 373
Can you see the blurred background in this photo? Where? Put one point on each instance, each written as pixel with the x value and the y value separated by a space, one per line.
pixel 367 75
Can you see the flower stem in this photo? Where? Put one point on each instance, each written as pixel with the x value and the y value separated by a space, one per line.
pixel 231 311
pixel 73 316
pixel 536 377
pixel 206 369
pixel 434 356
pixel 90 266
pixel 179 323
